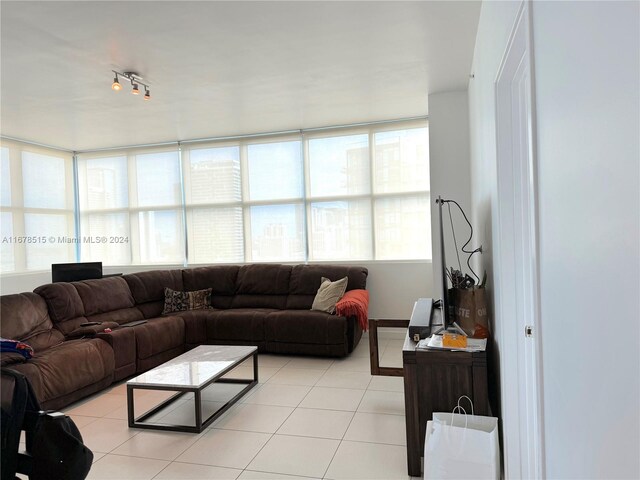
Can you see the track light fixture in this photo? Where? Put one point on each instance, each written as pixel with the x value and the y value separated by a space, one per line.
pixel 116 85
pixel 135 80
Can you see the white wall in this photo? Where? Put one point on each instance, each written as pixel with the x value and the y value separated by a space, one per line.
pixel 450 176
pixel 494 28
pixel 393 286
pixel 587 77
pixel 586 87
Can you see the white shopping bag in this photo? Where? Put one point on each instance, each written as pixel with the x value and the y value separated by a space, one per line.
pixel 461 446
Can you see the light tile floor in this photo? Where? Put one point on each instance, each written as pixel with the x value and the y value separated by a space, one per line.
pixel 308 418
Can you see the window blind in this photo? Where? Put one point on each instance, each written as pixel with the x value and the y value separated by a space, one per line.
pixel 343 194
pixel 36 207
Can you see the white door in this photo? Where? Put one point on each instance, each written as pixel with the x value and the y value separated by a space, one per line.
pixel 517 304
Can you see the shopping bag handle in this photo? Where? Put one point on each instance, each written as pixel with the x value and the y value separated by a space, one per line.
pixel 470 402
pixel 464 412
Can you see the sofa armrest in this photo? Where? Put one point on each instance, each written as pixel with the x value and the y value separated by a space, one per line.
pixel 123 343
pixel 91 330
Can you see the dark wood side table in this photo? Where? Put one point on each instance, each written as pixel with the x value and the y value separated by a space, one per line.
pixel 433 382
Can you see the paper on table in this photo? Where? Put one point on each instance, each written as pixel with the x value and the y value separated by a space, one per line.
pixel 435 342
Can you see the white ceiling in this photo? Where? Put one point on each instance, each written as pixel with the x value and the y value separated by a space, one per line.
pixel 223 68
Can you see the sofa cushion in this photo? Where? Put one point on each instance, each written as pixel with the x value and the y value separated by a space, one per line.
pixel 149 286
pixel 221 279
pixel 299 302
pixel 305 326
pixel 151 309
pixel 63 301
pixel 104 295
pixel 158 335
pixel 25 317
pixel 264 279
pixel 306 279
pixel 195 325
pixel 259 301
pixel 68 367
pixel 246 324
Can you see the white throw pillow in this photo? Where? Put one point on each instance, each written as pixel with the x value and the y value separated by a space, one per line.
pixel 328 294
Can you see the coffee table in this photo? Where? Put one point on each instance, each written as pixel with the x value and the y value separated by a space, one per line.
pixel 192 372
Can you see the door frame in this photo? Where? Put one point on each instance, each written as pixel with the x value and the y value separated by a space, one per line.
pixel 517 260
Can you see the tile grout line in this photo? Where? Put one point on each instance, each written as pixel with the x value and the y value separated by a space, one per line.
pixel 288 416
pixel 272 435
pixel 210 428
pixel 345 432
pixel 289 364
pixel 285 474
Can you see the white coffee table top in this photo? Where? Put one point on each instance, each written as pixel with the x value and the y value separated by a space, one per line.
pixel 194 368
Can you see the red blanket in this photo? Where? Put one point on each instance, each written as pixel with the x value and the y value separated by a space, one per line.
pixel 356 303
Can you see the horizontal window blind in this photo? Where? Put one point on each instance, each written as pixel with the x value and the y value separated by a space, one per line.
pixel 131 208
pixel 342 194
pixel 37 225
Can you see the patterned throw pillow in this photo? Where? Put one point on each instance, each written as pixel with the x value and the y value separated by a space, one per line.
pixel 328 294
pixel 176 301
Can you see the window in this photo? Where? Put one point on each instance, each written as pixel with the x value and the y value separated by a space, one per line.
pixel 341 230
pixel 104 201
pixel 330 195
pixel 275 206
pixel 131 208
pixel 402 227
pixel 402 214
pixel 37 215
pixel 339 166
pixel 213 194
pixel 344 194
pixel 340 226
pixel 369 194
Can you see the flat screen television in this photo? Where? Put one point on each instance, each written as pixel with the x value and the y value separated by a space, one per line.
pixel 73 272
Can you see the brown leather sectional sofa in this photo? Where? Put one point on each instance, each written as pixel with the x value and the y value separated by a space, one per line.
pixel 264 304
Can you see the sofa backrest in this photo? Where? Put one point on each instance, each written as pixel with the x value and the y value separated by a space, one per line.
pixel 220 278
pixel 141 295
pixel 24 316
pixel 107 300
pixel 147 289
pixel 100 300
pixel 65 305
pixel 262 286
pixel 305 281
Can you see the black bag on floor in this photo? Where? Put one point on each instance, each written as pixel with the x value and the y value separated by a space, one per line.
pixel 54 445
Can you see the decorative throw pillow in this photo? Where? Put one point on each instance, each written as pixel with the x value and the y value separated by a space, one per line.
pixel 328 294
pixel 176 301
pixel 15 346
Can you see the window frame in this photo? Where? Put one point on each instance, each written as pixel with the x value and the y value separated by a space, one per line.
pixel 19 211
pixel 132 210
pixel 77 214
